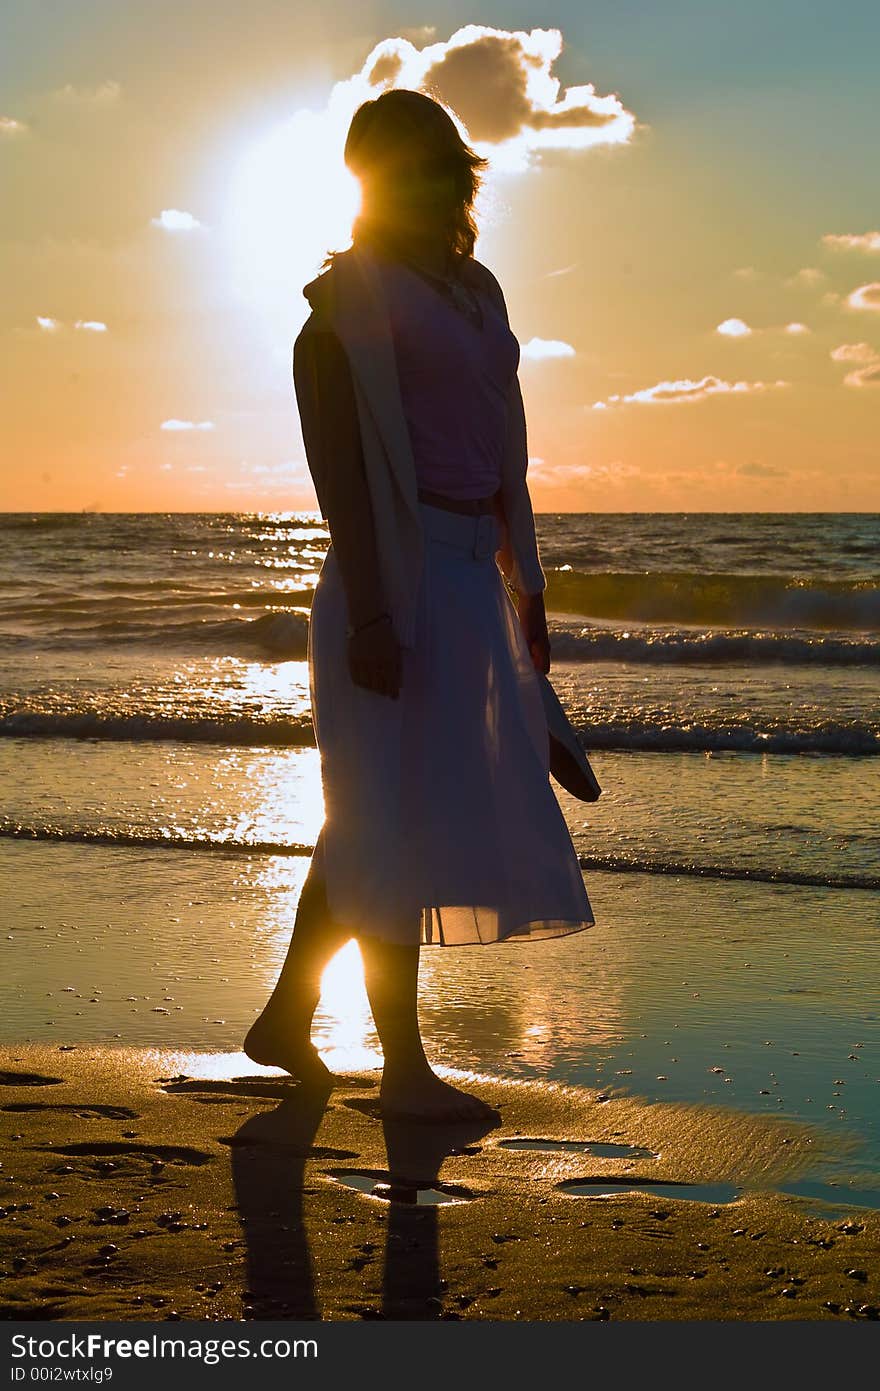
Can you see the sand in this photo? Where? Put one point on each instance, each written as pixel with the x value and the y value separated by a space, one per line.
pixel 153 1185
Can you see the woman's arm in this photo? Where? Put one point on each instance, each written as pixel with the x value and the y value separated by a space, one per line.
pixel 345 499
pixel 337 462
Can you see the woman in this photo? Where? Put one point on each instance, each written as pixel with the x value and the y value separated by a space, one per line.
pixel 441 823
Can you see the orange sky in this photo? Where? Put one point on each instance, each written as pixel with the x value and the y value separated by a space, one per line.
pixel 693 276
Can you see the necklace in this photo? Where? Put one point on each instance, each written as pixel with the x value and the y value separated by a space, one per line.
pixel 463 299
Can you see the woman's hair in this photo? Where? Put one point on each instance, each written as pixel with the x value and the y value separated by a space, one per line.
pixel 400 127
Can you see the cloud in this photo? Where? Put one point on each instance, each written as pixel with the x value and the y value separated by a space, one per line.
pixel 853 241
pixel 500 84
pixel 501 92
pixel 747 273
pixel 539 348
pixel 754 469
pixel 797 328
pixel 868 373
pixel 269 479
pixel 865 297
pixel 548 475
pixel 854 352
pixel 10 127
pixel 49 325
pixel 809 275
pixel 105 94
pixel 186 424
pixel 864 376
pixel 733 328
pixel 563 270
pixel 173 220
pixel 667 393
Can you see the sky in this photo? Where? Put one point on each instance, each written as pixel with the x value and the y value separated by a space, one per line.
pixel 682 208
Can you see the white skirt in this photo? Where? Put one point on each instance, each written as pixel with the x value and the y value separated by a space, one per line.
pixel 441 824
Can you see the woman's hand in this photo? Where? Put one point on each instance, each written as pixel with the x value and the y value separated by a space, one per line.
pixel 374 659
pixel 533 621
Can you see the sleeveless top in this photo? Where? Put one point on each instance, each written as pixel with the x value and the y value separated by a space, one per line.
pixel 455 379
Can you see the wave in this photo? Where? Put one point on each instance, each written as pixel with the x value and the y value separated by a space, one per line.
pixel 283 634
pixel 739 648
pixel 617 864
pixel 719 600
pixel 853 738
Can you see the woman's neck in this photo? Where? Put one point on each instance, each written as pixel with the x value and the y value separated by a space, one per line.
pixel 427 251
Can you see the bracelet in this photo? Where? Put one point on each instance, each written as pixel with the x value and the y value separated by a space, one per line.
pixel 350 631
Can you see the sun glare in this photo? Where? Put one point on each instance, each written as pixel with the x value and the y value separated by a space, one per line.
pixel 344 1031
pixel 291 199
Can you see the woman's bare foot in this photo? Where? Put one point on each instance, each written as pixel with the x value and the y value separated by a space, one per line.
pixel 270 1046
pixel 423 1096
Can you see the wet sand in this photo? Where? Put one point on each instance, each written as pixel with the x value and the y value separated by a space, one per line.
pixel 135 1189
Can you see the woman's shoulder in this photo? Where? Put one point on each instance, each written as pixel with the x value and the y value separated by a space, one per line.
pixel 482 278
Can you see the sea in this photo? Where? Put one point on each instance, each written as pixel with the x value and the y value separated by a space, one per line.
pixel 161 797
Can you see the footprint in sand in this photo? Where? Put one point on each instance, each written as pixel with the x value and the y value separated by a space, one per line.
pixel 288 1147
pixel 376 1183
pixel 208 1090
pixel 85 1110
pixel 612 1185
pixel 125 1158
pixel 598 1149
pixel 28 1079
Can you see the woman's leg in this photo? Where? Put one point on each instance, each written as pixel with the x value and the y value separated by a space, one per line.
pixel 410 1088
pixel 281 1036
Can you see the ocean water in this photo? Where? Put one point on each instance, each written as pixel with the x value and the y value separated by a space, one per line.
pixel 162 794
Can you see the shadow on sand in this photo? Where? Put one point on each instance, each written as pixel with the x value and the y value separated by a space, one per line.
pixel 269 1156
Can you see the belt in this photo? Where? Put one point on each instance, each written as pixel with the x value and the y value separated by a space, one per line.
pixel 471 506
pixel 476 535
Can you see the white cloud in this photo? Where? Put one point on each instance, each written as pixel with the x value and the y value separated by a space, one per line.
pixel 865 297
pixel 747 273
pixel 563 270
pixel 174 424
pixel 854 352
pixel 666 393
pixel 501 85
pixel 864 376
pixel 868 373
pixel 105 94
pixel 49 325
pixel 548 475
pixel 174 220
pixel 809 275
pixel 797 328
pixel 733 328
pixel 501 92
pixel 9 126
pixel 853 241
pixel 538 349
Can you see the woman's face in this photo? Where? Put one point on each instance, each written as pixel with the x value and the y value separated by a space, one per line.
pixel 416 192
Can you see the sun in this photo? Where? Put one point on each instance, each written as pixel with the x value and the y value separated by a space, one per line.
pixel 290 200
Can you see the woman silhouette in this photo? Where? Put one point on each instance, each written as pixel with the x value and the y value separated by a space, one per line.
pixel 441 823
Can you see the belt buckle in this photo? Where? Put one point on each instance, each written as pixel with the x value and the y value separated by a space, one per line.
pixel 484 533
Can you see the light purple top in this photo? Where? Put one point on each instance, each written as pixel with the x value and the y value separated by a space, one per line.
pixel 454 379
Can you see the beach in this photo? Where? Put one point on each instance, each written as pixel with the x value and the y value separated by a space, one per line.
pixel 136 1189
pixel 688 1089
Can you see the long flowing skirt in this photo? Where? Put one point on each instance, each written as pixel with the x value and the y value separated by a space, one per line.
pixel 441 823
